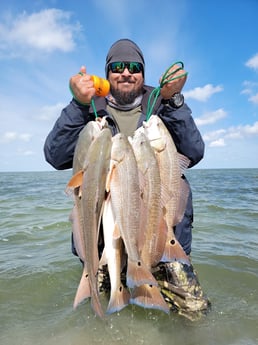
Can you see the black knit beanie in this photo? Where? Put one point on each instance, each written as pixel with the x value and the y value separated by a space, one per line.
pixel 124 50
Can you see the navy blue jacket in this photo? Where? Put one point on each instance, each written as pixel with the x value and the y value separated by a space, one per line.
pixel 61 141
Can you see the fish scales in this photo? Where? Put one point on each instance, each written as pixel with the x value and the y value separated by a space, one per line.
pixel 93 193
pixel 123 183
pixel 86 137
pixel 154 239
pixel 153 225
pixel 113 257
pixel 89 193
pixel 172 165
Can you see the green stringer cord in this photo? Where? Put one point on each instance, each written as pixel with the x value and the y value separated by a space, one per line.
pixel 94 108
pixel 167 77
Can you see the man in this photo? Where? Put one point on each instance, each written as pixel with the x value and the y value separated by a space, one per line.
pixel 125 108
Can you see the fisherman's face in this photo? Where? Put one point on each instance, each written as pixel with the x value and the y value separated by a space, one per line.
pixel 125 86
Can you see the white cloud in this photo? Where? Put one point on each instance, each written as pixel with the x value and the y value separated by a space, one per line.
pixel 9 136
pixel 253 62
pixel 254 99
pixel 26 152
pixel 50 112
pixel 246 91
pixel 211 117
pixel 45 31
pixel 250 84
pixel 25 137
pixel 246 130
pixel 218 138
pixel 203 93
pixel 218 143
pixel 214 135
pixel 240 132
pixel 250 89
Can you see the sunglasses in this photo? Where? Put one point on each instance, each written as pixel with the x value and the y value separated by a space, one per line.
pixel 119 67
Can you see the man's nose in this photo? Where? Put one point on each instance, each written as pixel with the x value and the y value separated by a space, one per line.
pixel 126 72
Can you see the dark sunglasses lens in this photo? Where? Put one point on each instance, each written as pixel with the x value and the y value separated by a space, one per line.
pixel 134 67
pixel 117 67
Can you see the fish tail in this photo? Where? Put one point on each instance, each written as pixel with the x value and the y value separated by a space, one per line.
pixel 174 252
pixel 83 290
pixel 138 274
pixel 96 305
pixel 119 299
pixel 149 297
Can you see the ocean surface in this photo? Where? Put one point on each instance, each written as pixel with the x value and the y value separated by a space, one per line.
pixel 39 275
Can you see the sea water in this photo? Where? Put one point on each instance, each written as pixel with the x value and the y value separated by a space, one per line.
pixel 39 275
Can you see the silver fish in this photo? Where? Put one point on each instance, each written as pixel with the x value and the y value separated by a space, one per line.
pixel 153 226
pixel 123 184
pixel 172 165
pixel 92 180
pixel 113 256
pixel 86 137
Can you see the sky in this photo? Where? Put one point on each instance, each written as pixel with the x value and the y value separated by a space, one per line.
pixel 44 42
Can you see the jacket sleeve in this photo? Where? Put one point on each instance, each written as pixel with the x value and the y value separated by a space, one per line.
pixel 184 132
pixel 60 142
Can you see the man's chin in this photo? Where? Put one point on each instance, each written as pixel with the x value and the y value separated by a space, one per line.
pixel 125 94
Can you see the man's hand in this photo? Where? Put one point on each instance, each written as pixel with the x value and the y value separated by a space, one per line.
pixel 82 86
pixel 174 86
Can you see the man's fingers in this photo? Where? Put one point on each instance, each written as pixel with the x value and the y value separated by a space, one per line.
pixel 83 70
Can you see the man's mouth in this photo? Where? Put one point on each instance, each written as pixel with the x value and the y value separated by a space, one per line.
pixel 126 81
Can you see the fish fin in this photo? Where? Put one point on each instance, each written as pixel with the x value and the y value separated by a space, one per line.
pixel 116 232
pixel 160 246
pixel 130 139
pixel 119 299
pixel 96 305
pixel 182 202
pixel 138 274
pixel 103 259
pixel 76 180
pixel 83 290
pixel 148 296
pixel 174 251
pixel 109 175
pixel 183 162
pixel 72 215
pixel 166 196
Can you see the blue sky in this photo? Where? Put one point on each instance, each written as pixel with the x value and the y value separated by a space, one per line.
pixel 43 43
